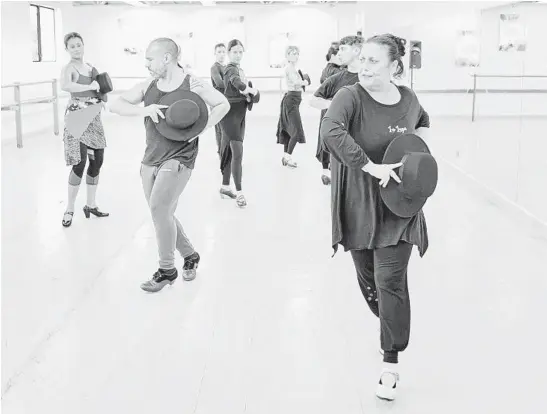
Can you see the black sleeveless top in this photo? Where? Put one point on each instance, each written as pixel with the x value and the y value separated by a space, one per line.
pixel 158 148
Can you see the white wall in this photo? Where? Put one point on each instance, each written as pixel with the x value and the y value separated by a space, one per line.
pixel 436 24
pixel 17 62
pixel 503 155
pixel 104 47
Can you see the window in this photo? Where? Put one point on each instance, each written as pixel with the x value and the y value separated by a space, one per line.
pixel 42 21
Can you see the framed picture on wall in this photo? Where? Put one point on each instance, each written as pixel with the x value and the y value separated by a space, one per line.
pixel 512 33
pixel 231 27
pixel 187 43
pixel 467 49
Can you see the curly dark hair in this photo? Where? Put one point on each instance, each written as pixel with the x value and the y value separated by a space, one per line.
pixel 396 48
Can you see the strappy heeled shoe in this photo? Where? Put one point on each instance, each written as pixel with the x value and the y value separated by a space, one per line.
pixel 95 211
pixel 67 223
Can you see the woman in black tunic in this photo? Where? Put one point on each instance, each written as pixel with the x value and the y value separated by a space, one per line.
pixel 238 92
pixel 358 126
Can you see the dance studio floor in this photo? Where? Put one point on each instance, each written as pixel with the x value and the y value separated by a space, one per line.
pixel 272 324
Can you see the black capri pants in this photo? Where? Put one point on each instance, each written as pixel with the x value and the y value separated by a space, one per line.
pixel 96 158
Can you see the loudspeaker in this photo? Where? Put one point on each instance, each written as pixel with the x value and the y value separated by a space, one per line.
pixel 415 54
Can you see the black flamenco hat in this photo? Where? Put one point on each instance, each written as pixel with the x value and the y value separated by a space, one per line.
pixel 304 76
pixel 253 98
pixel 186 116
pixel 105 84
pixel 418 174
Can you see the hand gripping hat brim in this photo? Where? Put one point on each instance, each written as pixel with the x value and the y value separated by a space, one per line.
pixel 419 175
pixel 184 108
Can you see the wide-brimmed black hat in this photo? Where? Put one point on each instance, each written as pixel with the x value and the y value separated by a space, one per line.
pixel 105 84
pixel 253 98
pixel 418 175
pixel 304 76
pixel 186 116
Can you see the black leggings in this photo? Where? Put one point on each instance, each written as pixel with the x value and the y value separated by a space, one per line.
pixel 95 163
pixel 382 276
pixel 325 160
pixel 290 145
pixel 234 164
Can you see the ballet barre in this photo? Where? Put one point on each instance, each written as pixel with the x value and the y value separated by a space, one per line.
pixel 18 103
pixel 475 90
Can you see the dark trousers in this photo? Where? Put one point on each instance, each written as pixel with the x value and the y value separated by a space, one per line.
pixel 382 276
pixel 218 133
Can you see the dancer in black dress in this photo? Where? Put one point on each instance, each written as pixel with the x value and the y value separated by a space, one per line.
pixel 358 126
pixel 217 79
pixel 238 93
pixel 289 127
pixel 332 68
pixel 348 55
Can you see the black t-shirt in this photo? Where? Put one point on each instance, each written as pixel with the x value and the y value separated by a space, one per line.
pixel 330 69
pixel 333 83
pixel 217 76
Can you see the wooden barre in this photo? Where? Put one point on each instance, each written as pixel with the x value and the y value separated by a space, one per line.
pixel 13 107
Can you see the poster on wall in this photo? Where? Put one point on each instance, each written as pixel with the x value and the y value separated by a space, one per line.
pixel 467 49
pixel 186 42
pixel 512 33
pixel 230 28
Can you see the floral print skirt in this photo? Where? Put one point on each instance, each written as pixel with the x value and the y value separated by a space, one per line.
pixel 93 137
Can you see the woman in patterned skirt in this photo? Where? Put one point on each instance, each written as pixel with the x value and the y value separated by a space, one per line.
pixel 83 133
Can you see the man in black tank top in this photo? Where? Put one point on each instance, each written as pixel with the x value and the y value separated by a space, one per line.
pixel 167 165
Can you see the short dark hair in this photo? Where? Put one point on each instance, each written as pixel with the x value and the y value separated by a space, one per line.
pixel 333 50
pixel 72 35
pixel 396 49
pixel 219 45
pixel 356 41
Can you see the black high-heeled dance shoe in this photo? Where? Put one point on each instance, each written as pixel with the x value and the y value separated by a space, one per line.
pixel 95 211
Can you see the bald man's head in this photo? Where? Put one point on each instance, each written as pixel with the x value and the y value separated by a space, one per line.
pixel 161 54
pixel 166 45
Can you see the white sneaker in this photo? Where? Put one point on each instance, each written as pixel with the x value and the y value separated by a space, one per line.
pixel 387 386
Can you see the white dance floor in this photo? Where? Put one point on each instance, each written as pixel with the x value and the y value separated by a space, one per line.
pixel 272 324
